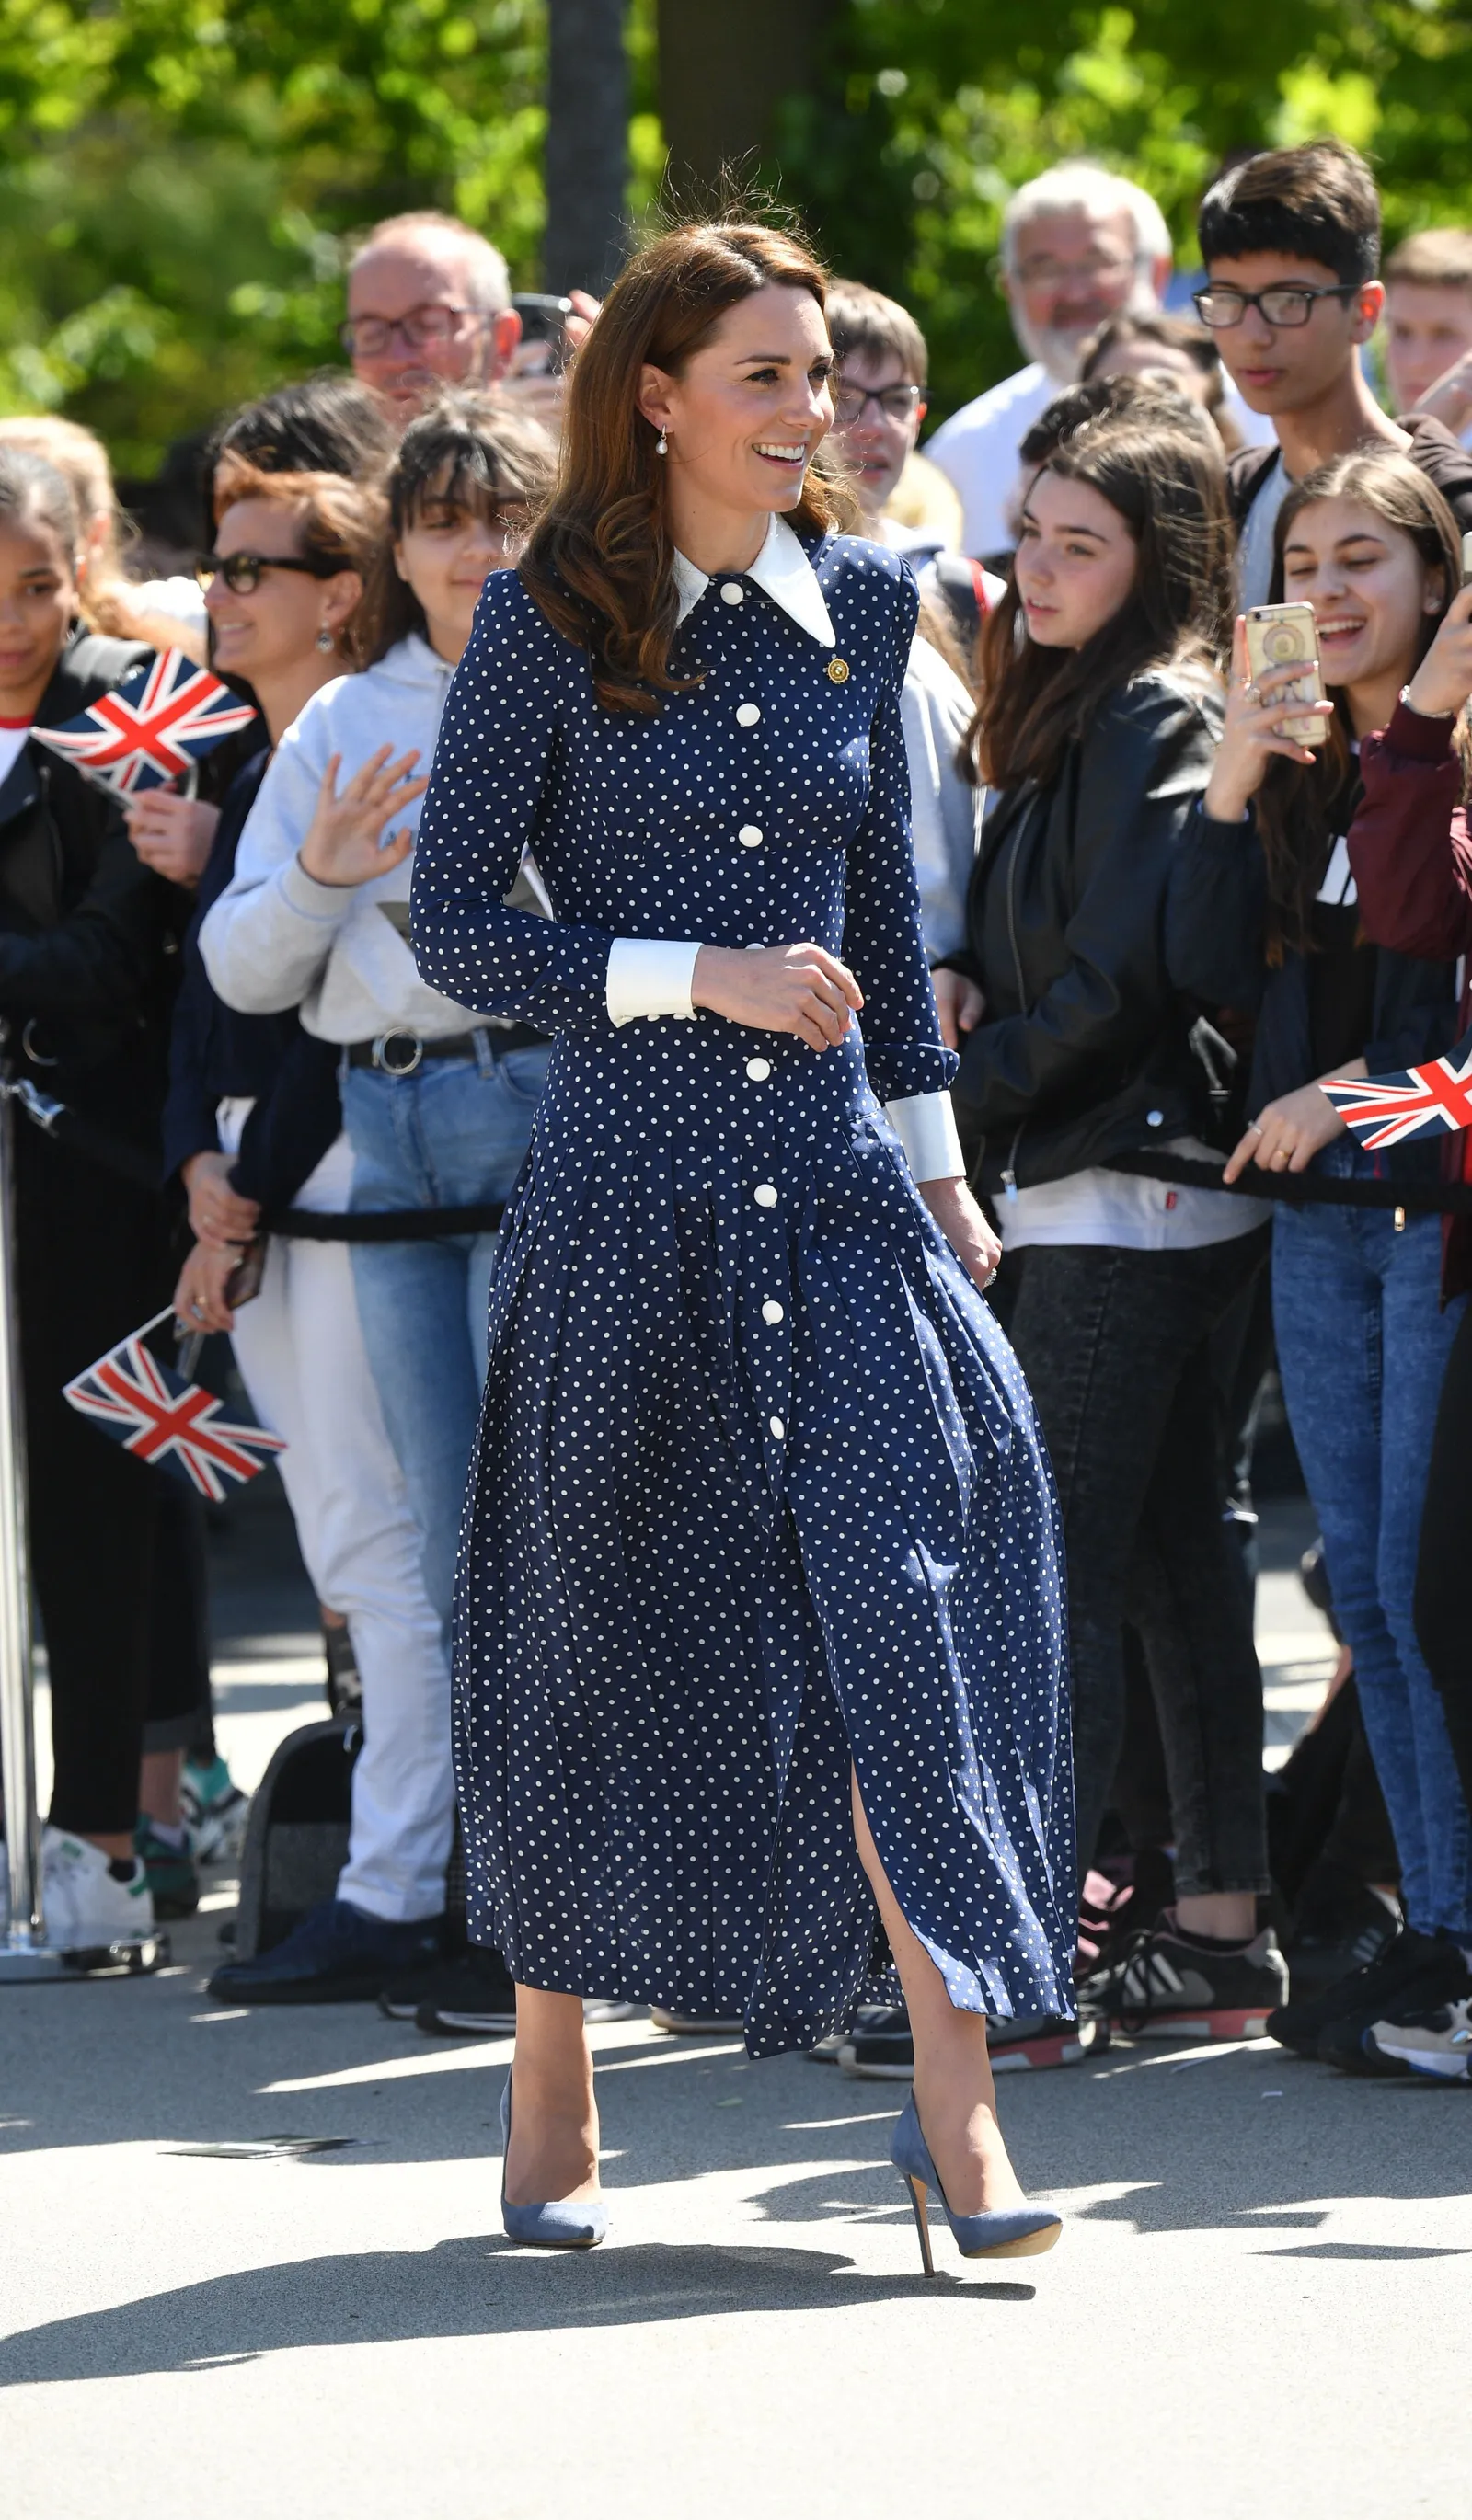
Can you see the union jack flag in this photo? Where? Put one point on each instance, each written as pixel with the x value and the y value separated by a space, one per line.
pixel 1415 1102
pixel 154 728
pixel 163 1418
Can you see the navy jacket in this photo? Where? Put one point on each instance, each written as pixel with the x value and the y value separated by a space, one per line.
pixel 215 1053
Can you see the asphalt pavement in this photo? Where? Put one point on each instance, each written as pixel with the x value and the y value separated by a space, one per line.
pixel 250 2262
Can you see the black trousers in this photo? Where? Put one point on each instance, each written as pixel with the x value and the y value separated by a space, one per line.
pixel 1443 1605
pixel 118 1567
pixel 1116 1345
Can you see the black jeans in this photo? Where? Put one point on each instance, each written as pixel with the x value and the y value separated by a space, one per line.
pixel 1443 1607
pixel 1116 1345
pixel 123 1638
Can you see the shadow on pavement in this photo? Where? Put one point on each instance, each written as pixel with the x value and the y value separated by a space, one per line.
pixel 463 2287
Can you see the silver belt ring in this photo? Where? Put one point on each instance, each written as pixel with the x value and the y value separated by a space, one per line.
pixel 382 1060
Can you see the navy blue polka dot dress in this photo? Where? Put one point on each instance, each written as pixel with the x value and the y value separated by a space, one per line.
pixel 758 1488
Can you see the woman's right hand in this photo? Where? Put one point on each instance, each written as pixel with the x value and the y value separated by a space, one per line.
pixel 200 1295
pixel 779 988
pixel 217 1213
pixel 960 1004
pixel 345 841
pixel 1253 732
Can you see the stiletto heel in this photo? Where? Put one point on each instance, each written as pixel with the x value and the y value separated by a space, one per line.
pixel 916 2191
pixel 1017 2232
pixel 579 2225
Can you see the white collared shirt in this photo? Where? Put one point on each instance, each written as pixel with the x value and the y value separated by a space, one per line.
pixel 650 977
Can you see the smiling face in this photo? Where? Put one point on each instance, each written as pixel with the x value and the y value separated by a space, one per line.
pixel 1070 271
pixel 446 553
pixel 418 298
pixel 37 607
pixel 1076 562
pixel 1281 367
pixel 1371 590
pixel 747 413
pixel 1426 328
pixel 877 442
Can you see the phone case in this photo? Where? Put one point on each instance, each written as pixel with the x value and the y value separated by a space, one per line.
pixel 1280 634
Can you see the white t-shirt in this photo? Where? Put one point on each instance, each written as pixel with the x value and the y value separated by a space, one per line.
pixel 1127 1212
pixel 1254 550
pixel 977 451
pixel 14 736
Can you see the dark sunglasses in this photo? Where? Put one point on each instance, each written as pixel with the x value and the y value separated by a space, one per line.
pixel 241 570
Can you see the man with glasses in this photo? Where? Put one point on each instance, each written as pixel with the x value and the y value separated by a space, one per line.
pixel 1290 241
pixel 428 305
pixel 1079 245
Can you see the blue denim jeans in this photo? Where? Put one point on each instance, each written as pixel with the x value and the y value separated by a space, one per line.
pixel 1362 1346
pixel 451 1135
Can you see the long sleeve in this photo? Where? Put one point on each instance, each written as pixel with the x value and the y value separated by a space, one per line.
pixel 495 772
pixel 189 1106
pixel 266 940
pixel 100 957
pixel 1215 913
pixel 1141 772
pixel 882 943
pixel 1409 848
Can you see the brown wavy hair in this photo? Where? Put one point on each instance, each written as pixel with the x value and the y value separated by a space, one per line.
pixel 1167 481
pixel 598 560
pixel 341 524
pixel 1300 812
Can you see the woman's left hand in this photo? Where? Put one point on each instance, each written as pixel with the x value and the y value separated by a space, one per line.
pixel 1288 1134
pixel 964 1227
pixel 173 834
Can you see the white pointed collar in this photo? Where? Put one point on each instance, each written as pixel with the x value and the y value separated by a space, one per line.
pixel 782 570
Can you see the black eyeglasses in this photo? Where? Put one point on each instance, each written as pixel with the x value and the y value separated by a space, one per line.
pixel 850 402
pixel 1286 309
pixel 368 336
pixel 241 570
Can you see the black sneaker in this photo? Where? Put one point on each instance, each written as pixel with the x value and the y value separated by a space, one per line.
pixel 1364 1994
pixel 879 2048
pixel 1169 1984
pixel 338 1954
pixel 445 1975
pixel 1432 2040
pixel 1340 1925
pixel 473 1998
pixel 1351 2044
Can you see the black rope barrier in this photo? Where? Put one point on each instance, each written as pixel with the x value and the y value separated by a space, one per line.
pixel 384 1225
pixel 1305 1190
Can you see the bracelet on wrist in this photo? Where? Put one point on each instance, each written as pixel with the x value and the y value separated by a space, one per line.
pixel 1407 703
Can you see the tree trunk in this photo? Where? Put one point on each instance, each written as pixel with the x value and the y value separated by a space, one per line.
pixel 724 65
pixel 587 144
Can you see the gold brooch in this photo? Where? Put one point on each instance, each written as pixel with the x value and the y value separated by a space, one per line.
pixel 838 671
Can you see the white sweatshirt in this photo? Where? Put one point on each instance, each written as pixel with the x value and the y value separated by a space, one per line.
pixel 276 937
pixel 946 811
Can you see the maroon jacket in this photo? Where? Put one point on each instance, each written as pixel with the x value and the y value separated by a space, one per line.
pixel 1411 854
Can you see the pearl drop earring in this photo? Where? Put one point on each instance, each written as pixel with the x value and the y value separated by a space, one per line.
pixel 661 444
pixel 325 639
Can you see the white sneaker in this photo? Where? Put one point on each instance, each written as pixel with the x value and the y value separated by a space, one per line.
pixel 86 1908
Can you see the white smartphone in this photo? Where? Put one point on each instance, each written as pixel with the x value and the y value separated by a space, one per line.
pixel 1287 634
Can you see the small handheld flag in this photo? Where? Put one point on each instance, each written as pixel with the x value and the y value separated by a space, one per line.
pixel 151 730
pixel 1409 1105
pixel 164 1418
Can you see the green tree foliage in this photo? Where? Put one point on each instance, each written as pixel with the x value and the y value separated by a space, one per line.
pixel 932 110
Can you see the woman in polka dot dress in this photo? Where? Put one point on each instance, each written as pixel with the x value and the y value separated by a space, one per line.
pixel 759 1636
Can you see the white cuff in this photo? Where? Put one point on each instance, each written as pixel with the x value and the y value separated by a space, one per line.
pixel 649 977
pixel 926 1127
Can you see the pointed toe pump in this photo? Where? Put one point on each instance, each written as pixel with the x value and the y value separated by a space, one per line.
pixel 577 2224
pixel 1018 2231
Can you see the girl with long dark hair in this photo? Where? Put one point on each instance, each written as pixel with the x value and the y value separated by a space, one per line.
pixel 758 1644
pixel 1097 730
pixel 1264 912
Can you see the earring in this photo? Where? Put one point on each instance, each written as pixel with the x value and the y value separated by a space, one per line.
pixel 662 443
pixel 325 639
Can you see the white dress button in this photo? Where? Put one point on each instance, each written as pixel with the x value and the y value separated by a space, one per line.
pixel 766 1195
pixel 758 1070
pixel 749 714
pixel 772 1312
pixel 1154 1119
pixel 750 836
pixel 777 1427
pixel 731 593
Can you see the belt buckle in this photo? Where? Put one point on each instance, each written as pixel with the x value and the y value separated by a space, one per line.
pixel 385 1065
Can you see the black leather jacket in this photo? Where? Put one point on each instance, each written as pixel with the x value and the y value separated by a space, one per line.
pixel 1084 1050
pixel 88 934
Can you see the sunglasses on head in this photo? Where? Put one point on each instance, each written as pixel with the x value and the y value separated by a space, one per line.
pixel 241 570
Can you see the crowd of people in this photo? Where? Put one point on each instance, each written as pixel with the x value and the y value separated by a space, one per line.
pixel 1157 919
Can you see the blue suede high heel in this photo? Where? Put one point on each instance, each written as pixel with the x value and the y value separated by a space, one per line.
pixel 572 2225
pixel 1018 2231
